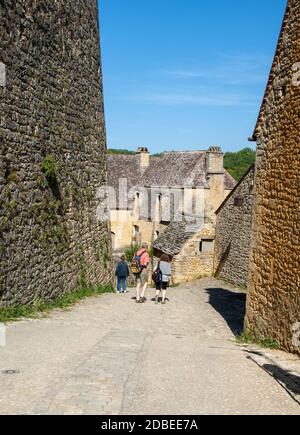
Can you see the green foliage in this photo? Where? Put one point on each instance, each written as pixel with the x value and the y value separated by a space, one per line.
pixel 129 253
pixel 11 177
pixel 129 153
pixel 49 169
pixel 266 343
pixel 241 287
pixel 151 251
pixel 106 260
pixel 238 163
pixel 68 300
pixel 120 151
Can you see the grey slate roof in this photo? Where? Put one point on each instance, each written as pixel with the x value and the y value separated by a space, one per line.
pixel 230 182
pixel 173 238
pixel 184 169
pixel 123 166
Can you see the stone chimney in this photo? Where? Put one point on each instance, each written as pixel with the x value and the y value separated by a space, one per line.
pixel 215 177
pixel 214 161
pixel 144 157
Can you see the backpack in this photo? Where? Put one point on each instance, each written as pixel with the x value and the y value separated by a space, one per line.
pixel 157 275
pixel 136 267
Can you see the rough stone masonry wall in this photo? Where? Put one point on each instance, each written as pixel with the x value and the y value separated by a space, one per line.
pixel 233 234
pixel 274 288
pixel 191 264
pixel 52 143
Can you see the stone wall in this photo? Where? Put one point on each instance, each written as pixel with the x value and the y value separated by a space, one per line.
pixel 191 264
pixel 233 233
pixel 122 229
pixel 52 143
pixel 273 309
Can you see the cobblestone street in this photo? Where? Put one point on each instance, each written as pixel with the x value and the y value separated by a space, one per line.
pixel 108 355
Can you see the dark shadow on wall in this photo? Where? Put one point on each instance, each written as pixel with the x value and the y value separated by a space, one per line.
pixel 223 260
pixel 231 306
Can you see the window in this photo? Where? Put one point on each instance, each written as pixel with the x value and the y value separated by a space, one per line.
pixel 172 205
pixel 136 234
pixel 238 201
pixel 206 246
pixel 137 206
pixel 158 208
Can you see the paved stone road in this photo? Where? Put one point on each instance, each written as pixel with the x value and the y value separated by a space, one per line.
pixel 109 355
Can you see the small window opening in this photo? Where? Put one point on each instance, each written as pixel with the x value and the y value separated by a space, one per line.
pixel 238 201
pixel 206 246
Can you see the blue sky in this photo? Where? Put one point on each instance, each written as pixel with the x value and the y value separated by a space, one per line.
pixel 185 74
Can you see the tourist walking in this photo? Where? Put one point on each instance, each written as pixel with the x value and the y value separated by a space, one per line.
pixel 139 267
pixel 162 276
pixel 122 273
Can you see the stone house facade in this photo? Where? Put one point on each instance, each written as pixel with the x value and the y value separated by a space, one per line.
pixel 190 251
pixel 52 151
pixel 160 190
pixel 125 175
pixel 233 232
pixel 273 307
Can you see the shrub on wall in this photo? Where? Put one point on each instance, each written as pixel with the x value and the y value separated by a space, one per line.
pixel 129 253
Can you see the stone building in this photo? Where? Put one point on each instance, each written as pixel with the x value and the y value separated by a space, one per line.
pixel 125 174
pixel 53 151
pixel 273 308
pixel 191 252
pixel 233 232
pixel 159 189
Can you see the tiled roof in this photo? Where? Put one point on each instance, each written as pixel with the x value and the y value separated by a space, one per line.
pixel 173 238
pixel 184 169
pixel 230 182
pixel 124 166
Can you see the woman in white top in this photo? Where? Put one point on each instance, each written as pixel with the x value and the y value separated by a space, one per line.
pixel 166 272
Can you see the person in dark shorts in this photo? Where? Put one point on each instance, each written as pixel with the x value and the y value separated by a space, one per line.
pixel 143 276
pixel 166 272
